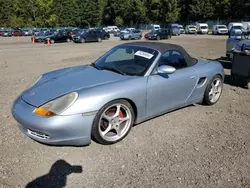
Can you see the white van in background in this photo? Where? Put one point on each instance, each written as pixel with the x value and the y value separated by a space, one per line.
pixel 190 29
pixel 202 28
pixel 155 27
pixel 111 29
pixel 220 29
pixel 235 26
pixel 246 27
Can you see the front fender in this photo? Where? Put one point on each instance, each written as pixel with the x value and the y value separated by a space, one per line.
pixel 94 98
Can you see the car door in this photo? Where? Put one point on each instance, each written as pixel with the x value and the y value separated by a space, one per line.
pixel 169 91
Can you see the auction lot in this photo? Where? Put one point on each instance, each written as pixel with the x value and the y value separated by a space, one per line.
pixel 197 146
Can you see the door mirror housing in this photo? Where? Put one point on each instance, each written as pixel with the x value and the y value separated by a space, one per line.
pixel 166 69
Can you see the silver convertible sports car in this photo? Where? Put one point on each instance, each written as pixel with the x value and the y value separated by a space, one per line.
pixel 129 84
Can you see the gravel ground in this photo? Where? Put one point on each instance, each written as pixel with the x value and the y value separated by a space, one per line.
pixel 197 146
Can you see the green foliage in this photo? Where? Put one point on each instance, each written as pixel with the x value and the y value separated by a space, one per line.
pixel 42 13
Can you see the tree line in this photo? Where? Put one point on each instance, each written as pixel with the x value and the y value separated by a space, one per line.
pixel 51 13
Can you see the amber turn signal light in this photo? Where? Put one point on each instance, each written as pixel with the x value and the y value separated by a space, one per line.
pixel 43 112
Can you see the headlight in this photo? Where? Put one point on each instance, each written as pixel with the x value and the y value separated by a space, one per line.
pixel 57 106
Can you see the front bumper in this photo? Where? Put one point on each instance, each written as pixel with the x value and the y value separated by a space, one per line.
pixel 222 32
pixel 152 37
pixel 56 130
pixel 124 37
pixel 77 40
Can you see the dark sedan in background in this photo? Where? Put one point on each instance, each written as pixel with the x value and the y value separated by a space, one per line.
pixel 60 36
pixel 7 34
pixel 87 36
pixel 159 34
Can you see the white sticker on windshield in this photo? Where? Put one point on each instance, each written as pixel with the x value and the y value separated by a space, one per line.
pixel 144 54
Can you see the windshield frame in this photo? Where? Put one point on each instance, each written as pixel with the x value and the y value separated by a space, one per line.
pixel 145 73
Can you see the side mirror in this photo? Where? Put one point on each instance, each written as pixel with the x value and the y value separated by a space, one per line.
pixel 165 69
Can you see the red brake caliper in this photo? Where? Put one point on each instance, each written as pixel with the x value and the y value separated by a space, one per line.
pixel 121 114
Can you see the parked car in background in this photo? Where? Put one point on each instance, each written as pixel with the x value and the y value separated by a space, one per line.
pixel 159 34
pixel 1 32
pixel 155 27
pixel 42 36
pixel 182 31
pixel 131 34
pixel 202 28
pixel 175 29
pixel 87 36
pixel 112 29
pixel 220 30
pixel 27 32
pixel 246 27
pixel 235 26
pixel 235 36
pixel 190 29
pixel 17 32
pixel 7 33
pixel 60 36
pixel 103 34
pixel 116 34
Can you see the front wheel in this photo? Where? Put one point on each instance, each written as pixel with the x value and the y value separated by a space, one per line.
pixel 52 41
pixel 113 122
pixel 213 91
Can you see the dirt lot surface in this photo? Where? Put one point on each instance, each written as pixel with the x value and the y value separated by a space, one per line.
pixel 197 146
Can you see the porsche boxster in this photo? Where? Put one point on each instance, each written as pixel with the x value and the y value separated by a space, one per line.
pixel 101 101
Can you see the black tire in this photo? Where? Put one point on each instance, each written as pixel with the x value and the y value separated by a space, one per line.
pixel 129 38
pixel 158 38
pixel 68 40
pixel 206 100
pixel 95 127
pixel 52 41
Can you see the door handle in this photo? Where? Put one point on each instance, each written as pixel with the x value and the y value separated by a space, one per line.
pixel 192 77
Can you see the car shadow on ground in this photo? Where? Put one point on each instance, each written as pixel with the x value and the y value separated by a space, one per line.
pixel 57 176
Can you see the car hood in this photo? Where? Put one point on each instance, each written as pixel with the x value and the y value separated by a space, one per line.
pixel 239 45
pixel 57 83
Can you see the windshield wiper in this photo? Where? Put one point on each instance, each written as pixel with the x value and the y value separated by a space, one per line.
pixel 94 65
pixel 114 70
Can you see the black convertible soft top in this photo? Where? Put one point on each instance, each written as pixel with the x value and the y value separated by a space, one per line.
pixel 163 47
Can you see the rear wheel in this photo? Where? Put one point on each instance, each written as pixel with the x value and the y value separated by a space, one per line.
pixel 129 38
pixel 113 122
pixel 213 90
pixel 68 40
pixel 52 41
pixel 158 38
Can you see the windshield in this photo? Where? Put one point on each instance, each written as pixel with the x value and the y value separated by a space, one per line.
pixel 180 27
pixel 127 60
pixel 203 27
pixel 175 27
pixel 237 27
pixel 221 27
